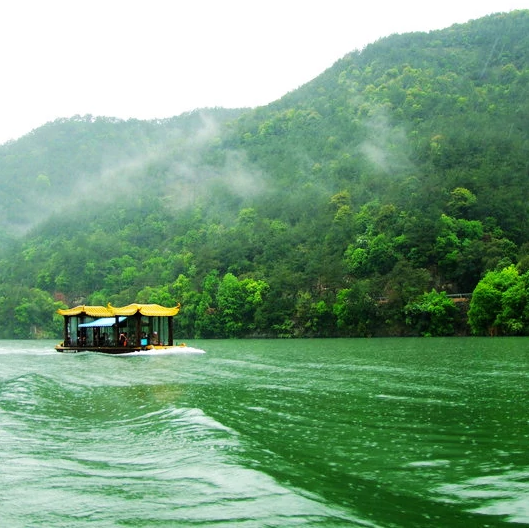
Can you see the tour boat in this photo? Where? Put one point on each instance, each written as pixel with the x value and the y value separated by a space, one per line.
pixel 112 330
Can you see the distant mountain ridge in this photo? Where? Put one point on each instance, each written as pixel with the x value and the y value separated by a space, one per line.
pixel 40 172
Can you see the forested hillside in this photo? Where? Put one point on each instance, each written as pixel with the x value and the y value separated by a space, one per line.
pixel 358 205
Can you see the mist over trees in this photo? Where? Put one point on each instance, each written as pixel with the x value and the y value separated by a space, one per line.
pixel 362 204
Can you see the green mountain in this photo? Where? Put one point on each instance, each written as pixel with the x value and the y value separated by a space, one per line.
pixel 355 205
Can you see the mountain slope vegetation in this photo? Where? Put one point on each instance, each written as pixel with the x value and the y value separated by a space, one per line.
pixel 356 205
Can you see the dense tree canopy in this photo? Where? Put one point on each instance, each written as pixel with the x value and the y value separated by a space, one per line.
pixel 358 205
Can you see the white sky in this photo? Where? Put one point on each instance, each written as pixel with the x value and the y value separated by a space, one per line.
pixel 158 58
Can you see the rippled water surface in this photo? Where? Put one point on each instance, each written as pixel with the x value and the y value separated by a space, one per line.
pixel 366 433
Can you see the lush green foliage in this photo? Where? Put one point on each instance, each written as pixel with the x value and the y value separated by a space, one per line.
pixel 432 314
pixel 352 206
pixel 500 304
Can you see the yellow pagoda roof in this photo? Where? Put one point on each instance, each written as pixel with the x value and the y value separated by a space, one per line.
pixel 92 311
pixel 153 310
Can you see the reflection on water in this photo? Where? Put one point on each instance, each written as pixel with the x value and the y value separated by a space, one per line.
pixel 389 432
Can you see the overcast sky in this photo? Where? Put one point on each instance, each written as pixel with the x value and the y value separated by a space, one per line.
pixel 158 58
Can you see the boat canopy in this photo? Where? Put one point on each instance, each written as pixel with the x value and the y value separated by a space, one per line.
pixel 109 311
pixel 103 321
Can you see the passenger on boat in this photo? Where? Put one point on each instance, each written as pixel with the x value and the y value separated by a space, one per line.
pixel 123 339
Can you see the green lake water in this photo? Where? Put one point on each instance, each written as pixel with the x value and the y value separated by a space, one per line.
pixel 265 433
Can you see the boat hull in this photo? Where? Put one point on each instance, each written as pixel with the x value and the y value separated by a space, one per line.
pixel 115 350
